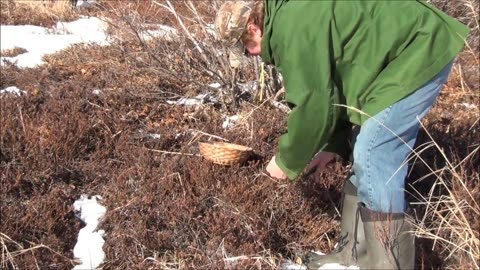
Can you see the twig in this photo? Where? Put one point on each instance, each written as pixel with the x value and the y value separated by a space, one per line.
pixel 171 9
pixel 21 118
pixel 209 135
pixel 171 153
pixel 281 91
pixel 262 80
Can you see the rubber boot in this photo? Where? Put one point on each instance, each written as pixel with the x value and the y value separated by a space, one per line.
pixel 345 253
pixel 389 240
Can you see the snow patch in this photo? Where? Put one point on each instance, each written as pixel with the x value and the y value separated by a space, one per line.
pixel 40 41
pixel 210 28
pixel 468 106
pixel 12 90
pixel 198 100
pixel 85 3
pixel 230 121
pixel 86 30
pixel 162 31
pixel 96 91
pixel 248 86
pixel 90 241
pixel 215 85
pixel 289 265
pixel 155 136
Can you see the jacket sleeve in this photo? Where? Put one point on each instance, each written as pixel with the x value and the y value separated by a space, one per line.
pixel 311 93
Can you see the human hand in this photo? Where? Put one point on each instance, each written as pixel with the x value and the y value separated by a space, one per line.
pixel 275 171
pixel 321 162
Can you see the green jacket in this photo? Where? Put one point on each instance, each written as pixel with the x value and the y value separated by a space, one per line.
pixel 366 55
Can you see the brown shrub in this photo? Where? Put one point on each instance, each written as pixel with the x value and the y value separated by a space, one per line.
pixel 63 139
pixel 12 52
pixel 44 13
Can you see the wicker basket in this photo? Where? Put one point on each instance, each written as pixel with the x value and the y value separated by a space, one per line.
pixel 225 153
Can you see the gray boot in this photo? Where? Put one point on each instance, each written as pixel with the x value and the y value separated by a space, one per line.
pixel 389 240
pixel 346 253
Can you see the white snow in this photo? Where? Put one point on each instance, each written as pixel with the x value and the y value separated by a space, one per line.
pixel 12 90
pixel 85 30
pixel 85 3
pixel 289 265
pixel 335 266
pixel 39 41
pixel 210 27
pixel 155 136
pixel 96 91
pixel 248 86
pixel 198 100
pixel 215 85
pixel 230 121
pixel 162 31
pixel 90 241
pixel 468 106
pixel 186 132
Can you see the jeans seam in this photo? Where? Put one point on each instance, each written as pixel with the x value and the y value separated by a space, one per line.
pixel 369 150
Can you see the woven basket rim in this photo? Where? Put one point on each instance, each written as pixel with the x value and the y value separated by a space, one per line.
pixel 229 146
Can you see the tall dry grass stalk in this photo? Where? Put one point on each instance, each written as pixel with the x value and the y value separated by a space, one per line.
pixel 451 209
pixel 36 12
pixel 55 8
pixel 473 9
pixel 10 249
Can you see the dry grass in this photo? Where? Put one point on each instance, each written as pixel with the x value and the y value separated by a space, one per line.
pixel 11 249
pixel 179 211
pixel 451 212
pixel 50 7
pixel 12 52
pixel 37 12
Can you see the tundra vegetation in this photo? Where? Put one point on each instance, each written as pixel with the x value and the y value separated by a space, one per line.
pixel 85 126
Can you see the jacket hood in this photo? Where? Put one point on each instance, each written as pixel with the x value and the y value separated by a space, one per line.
pixel 271 9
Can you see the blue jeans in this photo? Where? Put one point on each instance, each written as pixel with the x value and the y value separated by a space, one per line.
pixel 383 145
